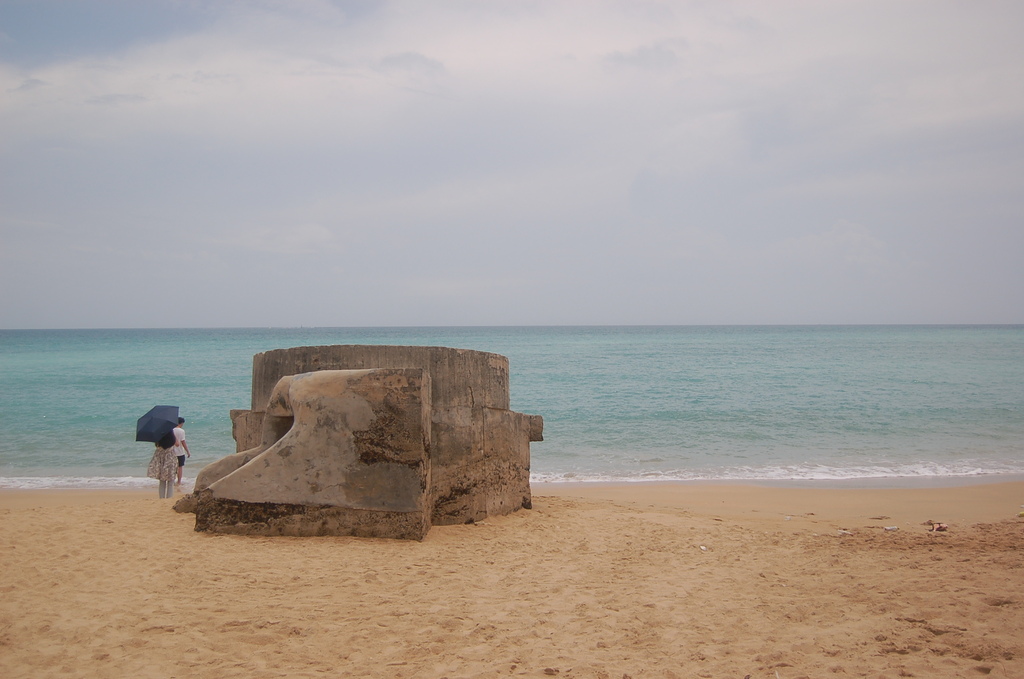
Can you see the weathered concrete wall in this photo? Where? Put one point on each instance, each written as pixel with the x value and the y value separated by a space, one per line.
pixel 459 377
pixel 494 478
pixel 342 452
pixel 479 449
pixel 245 428
pixel 243 518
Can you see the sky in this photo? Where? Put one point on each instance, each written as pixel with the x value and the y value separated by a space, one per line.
pixel 192 163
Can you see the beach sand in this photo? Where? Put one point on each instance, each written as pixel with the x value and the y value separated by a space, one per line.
pixel 672 580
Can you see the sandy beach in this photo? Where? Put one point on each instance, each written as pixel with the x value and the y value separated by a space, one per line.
pixel 638 580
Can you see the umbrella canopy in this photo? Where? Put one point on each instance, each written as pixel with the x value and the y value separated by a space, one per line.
pixel 157 423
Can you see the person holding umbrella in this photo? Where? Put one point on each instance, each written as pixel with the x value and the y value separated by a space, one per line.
pixel 157 426
pixel 164 464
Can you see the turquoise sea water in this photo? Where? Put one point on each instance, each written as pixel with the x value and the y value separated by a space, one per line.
pixel 619 403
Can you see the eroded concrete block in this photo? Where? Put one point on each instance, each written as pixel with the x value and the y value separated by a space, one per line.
pixel 466 385
pixel 473 460
pixel 343 452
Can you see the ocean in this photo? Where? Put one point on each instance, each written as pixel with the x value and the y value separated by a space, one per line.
pixel 674 403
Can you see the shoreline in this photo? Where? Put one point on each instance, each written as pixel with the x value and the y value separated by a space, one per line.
pixel 136 483
pixel 853 483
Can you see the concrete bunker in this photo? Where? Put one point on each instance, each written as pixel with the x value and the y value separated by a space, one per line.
pixel 376 441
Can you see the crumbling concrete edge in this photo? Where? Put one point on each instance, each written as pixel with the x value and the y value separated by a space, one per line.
pixel 237 517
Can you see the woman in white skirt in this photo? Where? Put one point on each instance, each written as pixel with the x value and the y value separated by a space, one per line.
pixel 164 465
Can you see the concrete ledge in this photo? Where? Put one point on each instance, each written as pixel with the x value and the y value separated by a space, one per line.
pixel 273 519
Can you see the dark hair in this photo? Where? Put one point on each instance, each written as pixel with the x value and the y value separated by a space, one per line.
pixel 167 440
pixel 181 420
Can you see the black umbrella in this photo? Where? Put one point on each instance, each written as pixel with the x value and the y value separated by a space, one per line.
pixel 157 423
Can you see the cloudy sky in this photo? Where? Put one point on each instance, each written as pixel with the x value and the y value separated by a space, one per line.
pixel 192 163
